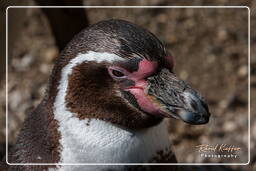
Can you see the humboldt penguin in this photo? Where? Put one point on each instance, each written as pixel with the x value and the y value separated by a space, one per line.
pixel 107 97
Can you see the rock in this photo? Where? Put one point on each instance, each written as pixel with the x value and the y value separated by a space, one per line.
pixel 51 54
pixel 162 18
pixel 222 35
pixel 183 75
pixel 23 63
pixel 211 59
pixel 229 126
pixel 45 68
pixel 242 71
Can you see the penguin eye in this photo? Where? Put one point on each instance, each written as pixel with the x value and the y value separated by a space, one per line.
pixel 117 73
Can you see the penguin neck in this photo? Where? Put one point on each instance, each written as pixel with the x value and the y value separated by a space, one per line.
pixel 94 141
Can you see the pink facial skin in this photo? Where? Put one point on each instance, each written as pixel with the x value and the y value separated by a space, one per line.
pixel 146 68
pixel 144 102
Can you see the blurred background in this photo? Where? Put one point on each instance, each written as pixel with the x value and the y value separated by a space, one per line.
pixel 210 47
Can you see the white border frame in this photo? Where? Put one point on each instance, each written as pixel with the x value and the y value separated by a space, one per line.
pixel 60 164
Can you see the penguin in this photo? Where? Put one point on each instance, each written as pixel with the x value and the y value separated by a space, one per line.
pixel 108 96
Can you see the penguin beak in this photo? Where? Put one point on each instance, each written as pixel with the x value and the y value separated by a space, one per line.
pixel 175 98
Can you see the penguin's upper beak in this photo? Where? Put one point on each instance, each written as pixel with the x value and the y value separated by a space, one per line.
pixel 175 98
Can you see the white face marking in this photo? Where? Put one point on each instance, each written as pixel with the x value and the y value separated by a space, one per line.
pixel 101 142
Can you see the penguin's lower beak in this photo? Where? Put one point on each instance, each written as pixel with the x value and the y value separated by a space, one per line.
pixel 175 98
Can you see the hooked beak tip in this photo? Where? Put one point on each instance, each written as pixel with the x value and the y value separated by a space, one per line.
pixel 194 118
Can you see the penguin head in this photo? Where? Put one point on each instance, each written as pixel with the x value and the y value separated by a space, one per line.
pixel 119 72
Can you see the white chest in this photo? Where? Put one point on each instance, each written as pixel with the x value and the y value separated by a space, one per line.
pixel 102 142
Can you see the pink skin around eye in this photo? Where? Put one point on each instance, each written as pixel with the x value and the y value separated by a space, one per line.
pixel 146 68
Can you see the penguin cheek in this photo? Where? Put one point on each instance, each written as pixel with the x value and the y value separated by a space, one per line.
pixel 126 83
pixel 145 102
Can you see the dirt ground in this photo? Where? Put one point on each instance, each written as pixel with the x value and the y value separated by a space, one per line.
pixel 210 47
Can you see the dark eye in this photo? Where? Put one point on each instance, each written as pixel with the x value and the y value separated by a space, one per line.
pixel 117 73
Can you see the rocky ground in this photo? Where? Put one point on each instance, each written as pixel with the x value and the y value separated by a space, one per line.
pixel 210 47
